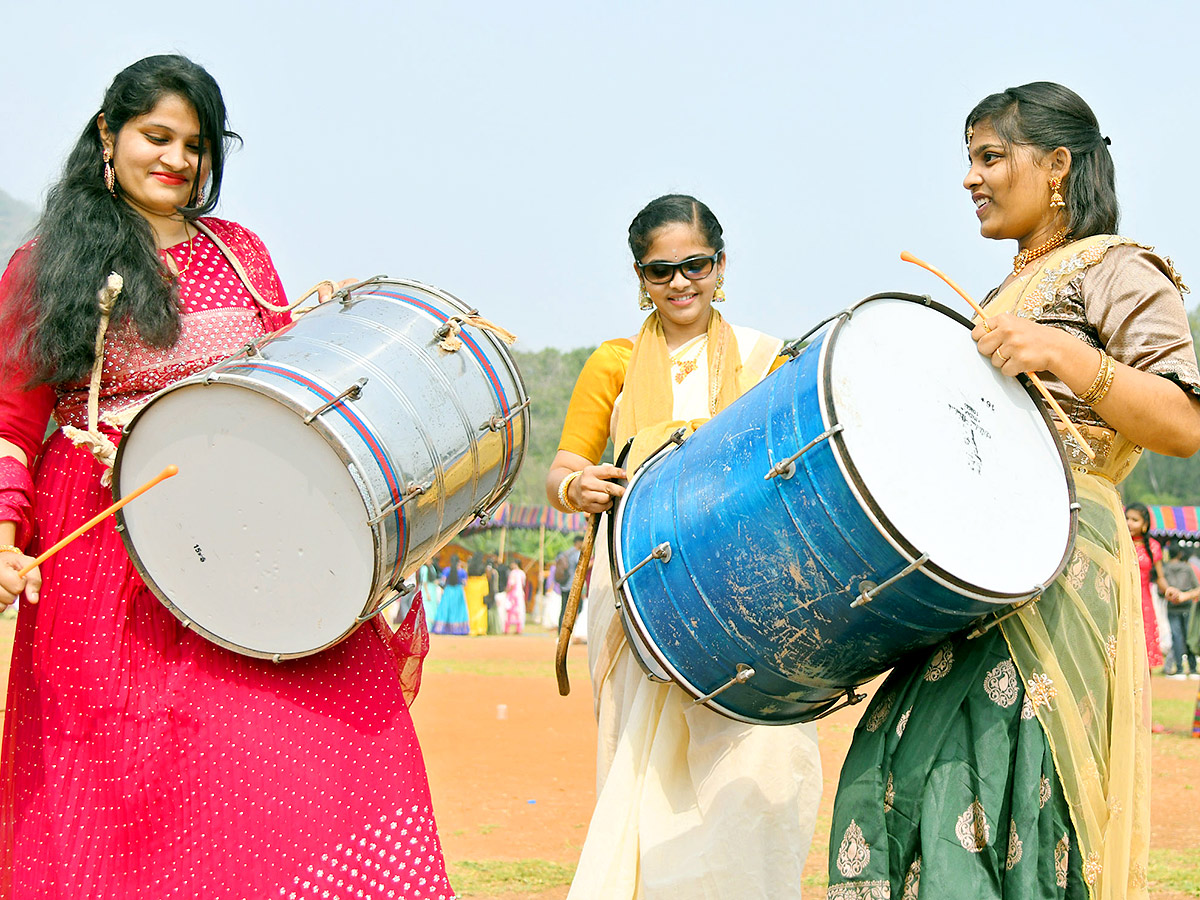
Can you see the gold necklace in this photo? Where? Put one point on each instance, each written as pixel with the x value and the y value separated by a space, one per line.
pixel 687 366
pixel 1025 257
pixel 191 245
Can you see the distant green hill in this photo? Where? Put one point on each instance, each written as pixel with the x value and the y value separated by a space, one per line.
pixel 16 219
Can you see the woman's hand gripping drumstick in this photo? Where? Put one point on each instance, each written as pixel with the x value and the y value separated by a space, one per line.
pixel 987 327
pixel 93 522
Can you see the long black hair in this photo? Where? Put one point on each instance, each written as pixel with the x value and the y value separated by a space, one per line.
pixel 1047 116
pixel 668 210
pixel 85 233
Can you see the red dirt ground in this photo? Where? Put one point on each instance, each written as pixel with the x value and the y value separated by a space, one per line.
pixel 519 782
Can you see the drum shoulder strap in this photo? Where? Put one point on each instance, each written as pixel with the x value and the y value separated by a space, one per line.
pixel 239 269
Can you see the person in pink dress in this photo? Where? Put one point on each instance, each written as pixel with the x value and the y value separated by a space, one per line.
pixel 514 592
pixel 1149 554
pixel 139 760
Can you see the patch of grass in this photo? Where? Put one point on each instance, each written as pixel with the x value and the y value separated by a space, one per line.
pixel 502 876
pixel 1175 870
pixel 511 668
pixel 1171 712
pixel 487 829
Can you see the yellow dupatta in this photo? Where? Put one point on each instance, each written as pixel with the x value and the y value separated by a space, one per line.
pixel 1080 649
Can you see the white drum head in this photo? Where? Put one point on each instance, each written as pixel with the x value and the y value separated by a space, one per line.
pixel 954 455
pixel 261 539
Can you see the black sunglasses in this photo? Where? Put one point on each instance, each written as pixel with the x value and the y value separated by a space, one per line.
pixel 694 268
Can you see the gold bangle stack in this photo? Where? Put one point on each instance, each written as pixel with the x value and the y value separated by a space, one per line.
pixel 9 548
pixel 563 487
pixel 1100 385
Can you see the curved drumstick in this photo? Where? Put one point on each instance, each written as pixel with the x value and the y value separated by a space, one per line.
pixel 1033 379
pixel 91 523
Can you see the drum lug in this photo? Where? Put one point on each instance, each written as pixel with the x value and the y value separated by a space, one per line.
pixel 403 591
pixel 744 674
pixel 869 590
pixel 413 490
pixel 851 698
pixel 351 393
pixel 661 552
pixel 495 423
pixel 786 468
pixel 343 294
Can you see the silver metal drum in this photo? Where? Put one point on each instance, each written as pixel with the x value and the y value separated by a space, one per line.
pixel 321 466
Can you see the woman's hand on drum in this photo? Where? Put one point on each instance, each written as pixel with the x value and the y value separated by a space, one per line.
pixel 12 584
pixel 595 489
pixel 326 289
pixel 1017 345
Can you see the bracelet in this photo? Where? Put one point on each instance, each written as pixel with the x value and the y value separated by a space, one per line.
pixel 1101 384
pixel 563 487
pixel 9 548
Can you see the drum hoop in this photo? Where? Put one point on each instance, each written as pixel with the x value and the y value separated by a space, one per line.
pixel 335 443
pixel 887 530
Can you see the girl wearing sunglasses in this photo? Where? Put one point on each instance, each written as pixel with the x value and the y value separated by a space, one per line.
pixel 689 803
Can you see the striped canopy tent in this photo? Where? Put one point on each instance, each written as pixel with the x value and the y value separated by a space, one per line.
pixel 512 516
pixel 1174 521
pixel 543 518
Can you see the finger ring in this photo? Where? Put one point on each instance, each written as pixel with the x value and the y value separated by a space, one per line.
pixel 1002 356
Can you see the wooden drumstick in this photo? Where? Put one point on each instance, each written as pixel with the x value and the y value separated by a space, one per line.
pixel 91 523
pixel 571 610
pixel 1033 379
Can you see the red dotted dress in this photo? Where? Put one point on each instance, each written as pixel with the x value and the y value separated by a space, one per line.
pixel 140 760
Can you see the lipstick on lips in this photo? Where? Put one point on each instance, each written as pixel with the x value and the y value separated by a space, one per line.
pixel 169 178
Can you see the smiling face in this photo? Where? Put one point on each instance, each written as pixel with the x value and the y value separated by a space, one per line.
pixel 1135 522
pixel 683 305
pixel 157 157
pixel 1010 188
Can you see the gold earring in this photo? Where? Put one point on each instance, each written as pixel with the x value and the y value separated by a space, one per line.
pixel 719 293
pixel 110 177
pixel 1056 200
pixel 200 196
pixel 644 301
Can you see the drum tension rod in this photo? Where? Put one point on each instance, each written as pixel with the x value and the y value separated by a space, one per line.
pixel 413 490
pixel 351 393
pixel 662 551
pixel 989 625
pixel 851 698
pixel 403 591
pixel 869 590
pixel 495 423
pixel 744 674
pixel 787 467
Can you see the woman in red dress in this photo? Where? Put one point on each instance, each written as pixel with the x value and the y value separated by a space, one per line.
pixel 1149 555
pixel 139 760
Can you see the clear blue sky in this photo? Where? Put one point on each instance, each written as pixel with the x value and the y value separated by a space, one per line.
pixel 499 150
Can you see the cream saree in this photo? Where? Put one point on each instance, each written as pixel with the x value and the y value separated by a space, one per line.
pixel 689 804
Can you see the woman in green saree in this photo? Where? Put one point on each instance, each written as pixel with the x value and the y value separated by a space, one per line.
pixel 1015 764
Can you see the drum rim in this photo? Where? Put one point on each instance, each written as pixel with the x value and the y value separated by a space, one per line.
pixel 887 530
pixel 504 488
pixel 335 443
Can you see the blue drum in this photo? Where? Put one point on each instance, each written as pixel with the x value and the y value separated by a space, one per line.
pixel 884 489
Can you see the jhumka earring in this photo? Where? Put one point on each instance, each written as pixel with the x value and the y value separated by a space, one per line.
pixel 1056 200
pixel 110 177
pixel 644 301
pixel 200 196
pixel 719 293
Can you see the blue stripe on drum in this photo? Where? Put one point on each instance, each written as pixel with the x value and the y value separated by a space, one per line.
pixel 484 363
pixel 368 438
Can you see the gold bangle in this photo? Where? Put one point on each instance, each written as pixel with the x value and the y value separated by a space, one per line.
pixel 563 487
pixel 9 548
pixel 1097 381
pixel 1102 382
